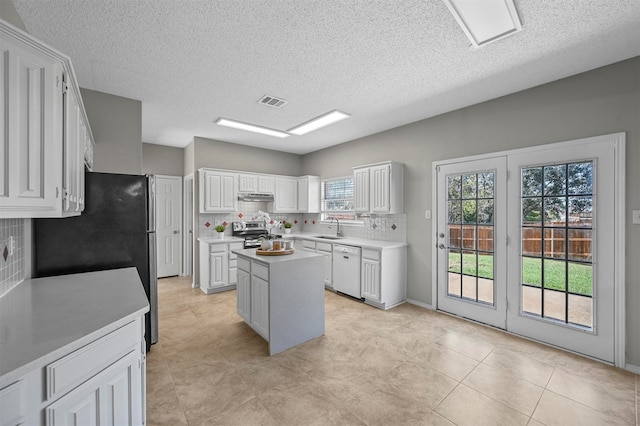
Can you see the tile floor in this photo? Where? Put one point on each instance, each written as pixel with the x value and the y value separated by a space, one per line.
pixel 407 365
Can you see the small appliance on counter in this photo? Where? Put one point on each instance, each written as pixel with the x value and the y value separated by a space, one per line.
pixel 116 230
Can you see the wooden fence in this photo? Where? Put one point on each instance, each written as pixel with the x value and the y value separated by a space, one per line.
pixel 580 241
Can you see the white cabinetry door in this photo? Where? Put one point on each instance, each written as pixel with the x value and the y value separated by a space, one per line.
pixel 371 279
pixel 379 197
pixel 361 183
pixel 309 194
pixel 217 192
pixel 326 250
pixel 30 132
pixel 73 167
pixel 218 268
pixel 266 184
pixel 248 183
pixel 260 306
pixel 109 397
pixel 244 295
pixel 286 195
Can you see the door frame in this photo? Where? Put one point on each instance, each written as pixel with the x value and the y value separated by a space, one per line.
pixel 187 219
pixel 619 227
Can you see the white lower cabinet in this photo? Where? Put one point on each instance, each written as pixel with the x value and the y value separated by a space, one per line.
pixel 101 383
pixel 326 250
pixel 108 398
pixel 218 266
pixel 383 281
pixel 253 295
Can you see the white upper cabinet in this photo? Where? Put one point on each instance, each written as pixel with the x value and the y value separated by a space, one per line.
pixel 261 184
pixel 218 192
pixel 266 184
pixel 379 188
pixel 43 130
pixel 286 195
pixel 309 194
pixel 361 189
pixel 247 183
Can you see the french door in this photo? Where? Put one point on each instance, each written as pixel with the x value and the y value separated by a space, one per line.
pixel 471 239
pixel 527 242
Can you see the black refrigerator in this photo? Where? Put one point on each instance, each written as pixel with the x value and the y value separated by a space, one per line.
pixel 115 230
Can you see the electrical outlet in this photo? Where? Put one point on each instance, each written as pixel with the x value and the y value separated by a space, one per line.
pixel 636 217
pixel 427 214
pixel 12 245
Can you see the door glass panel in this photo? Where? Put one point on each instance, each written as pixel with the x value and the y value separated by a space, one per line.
pixel 557 240
pixel 471 242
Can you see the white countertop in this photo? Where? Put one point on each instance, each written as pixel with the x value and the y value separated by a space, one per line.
pixel 216 240
pixel 296 255
pixel 44 319
pixel 360 242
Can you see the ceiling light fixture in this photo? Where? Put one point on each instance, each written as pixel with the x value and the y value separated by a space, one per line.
pixel 485 21
pixel 251 128
pixel 318 122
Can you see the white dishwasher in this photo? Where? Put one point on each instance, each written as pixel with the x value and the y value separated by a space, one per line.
pixel 346 270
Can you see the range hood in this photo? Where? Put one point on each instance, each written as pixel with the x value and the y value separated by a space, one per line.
pixel 246 196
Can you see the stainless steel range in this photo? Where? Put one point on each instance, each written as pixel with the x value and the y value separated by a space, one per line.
pixel 251 231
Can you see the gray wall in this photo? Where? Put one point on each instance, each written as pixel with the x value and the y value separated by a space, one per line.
pixel 606 100
pixel 116 123
pixel 162 160
pixel 9 13
pixel 189 160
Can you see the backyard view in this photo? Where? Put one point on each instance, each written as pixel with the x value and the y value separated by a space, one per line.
pixel 556 240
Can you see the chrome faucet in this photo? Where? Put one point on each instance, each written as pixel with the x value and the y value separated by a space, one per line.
pixel 338 232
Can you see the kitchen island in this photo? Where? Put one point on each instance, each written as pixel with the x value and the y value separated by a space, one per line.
pixel 282 297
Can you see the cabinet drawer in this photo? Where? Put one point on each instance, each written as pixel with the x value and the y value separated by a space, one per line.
pixel 260 270
pixel 11 405
pixel 217 248
pixel 308 244
pixel 233 263
pixel 244 264
pixel 371 254
pixel 234 246
pixel 328 247
pixel 77 367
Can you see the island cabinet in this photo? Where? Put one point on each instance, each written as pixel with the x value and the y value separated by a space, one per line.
pixel 281 297
pixel 88 365
pixel 378 188
pixel 383 277
pixel 44 130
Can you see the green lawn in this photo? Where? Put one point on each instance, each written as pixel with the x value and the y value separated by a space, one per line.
pixel 580 276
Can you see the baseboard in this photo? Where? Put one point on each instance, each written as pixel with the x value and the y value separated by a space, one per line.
pixel 632 368
pixel 421 304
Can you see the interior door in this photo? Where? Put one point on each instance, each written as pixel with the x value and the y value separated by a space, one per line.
pixel 471 239
pixel 168 224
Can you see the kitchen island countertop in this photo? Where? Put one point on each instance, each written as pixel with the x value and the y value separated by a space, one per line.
pixel 44 319
pixel 296 255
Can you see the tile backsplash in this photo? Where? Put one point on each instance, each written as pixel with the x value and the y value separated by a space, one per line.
pixel 374 227
pixel 12 265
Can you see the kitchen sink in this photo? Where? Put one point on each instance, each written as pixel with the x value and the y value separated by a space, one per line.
pixel 327 237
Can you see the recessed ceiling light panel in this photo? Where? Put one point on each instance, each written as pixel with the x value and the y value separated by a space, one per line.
pixel 485 21
pixel 319 122
pixel 251 128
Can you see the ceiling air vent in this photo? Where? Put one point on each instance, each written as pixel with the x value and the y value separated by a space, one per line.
pixel 272 101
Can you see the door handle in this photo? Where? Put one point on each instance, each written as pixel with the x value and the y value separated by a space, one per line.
pixel 441 246
pixel 176 232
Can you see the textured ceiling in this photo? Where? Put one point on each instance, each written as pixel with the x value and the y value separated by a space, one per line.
pixel 386 62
